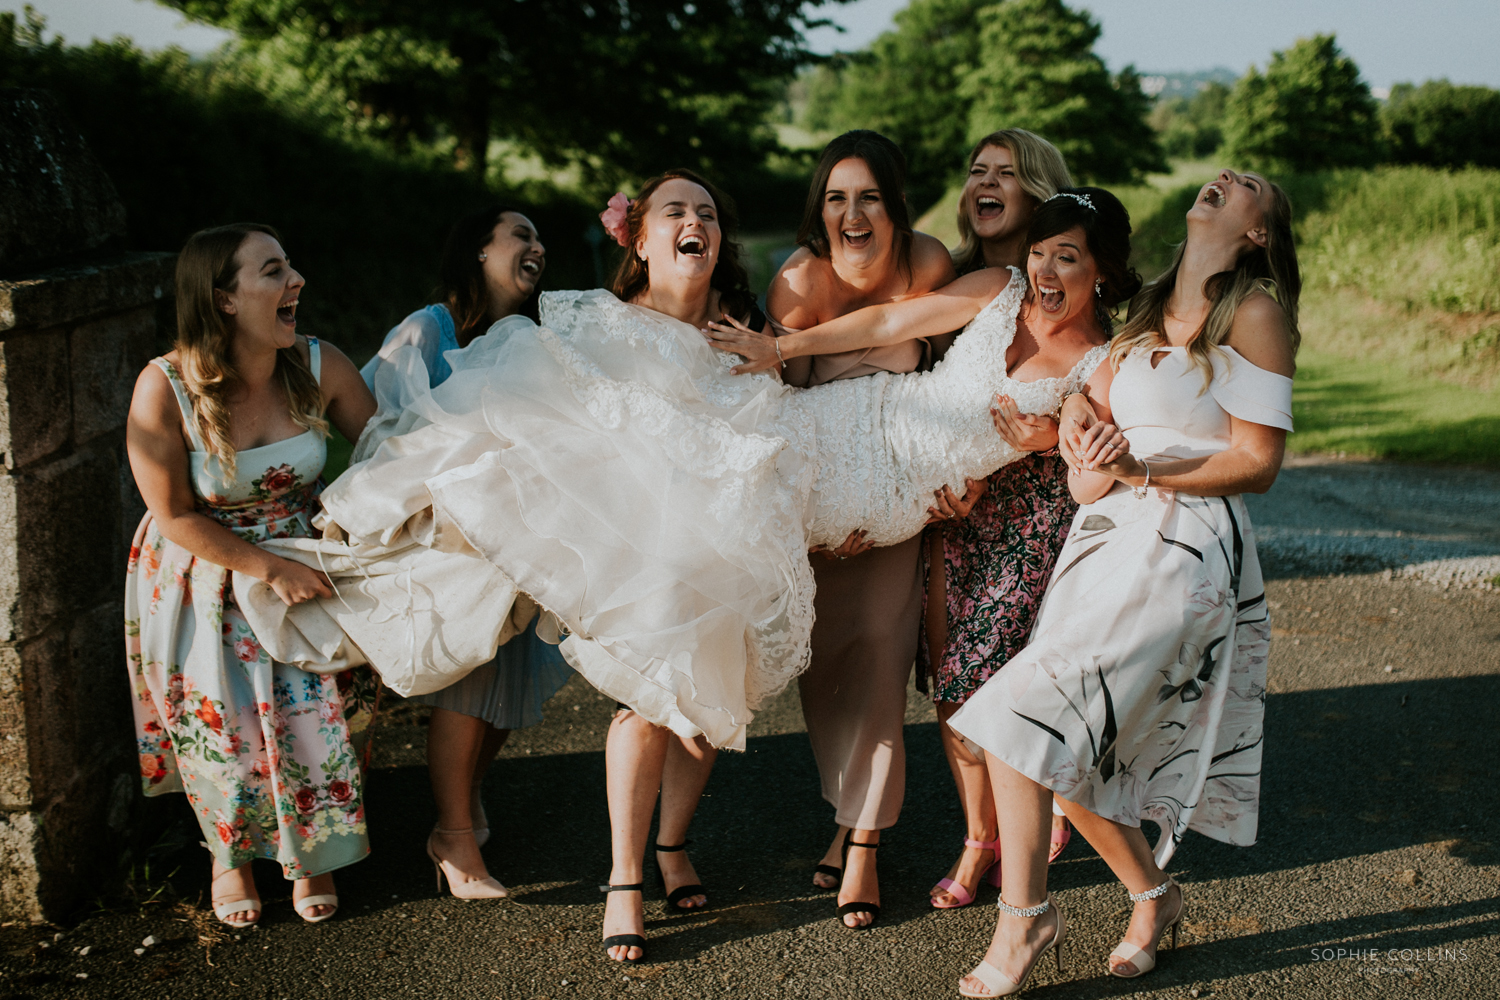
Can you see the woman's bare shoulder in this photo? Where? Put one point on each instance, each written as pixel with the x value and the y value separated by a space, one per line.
pixel 1260 335
pixel 798 294
pixel 931 264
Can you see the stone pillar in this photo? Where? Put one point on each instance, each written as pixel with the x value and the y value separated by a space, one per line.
pixel 78 320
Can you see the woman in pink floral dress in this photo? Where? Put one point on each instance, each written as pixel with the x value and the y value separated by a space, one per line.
pixel 226 438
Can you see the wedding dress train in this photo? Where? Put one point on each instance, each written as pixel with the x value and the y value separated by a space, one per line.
pixel 606 466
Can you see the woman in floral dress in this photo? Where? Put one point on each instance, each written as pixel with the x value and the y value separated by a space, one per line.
pixel 989 561
pixel 226 438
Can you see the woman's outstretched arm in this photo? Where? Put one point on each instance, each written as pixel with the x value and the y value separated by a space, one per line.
pixel 938 312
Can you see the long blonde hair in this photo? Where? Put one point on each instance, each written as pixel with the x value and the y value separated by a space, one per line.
pixel 209 261
pixel 1040 170
pixel 1271 269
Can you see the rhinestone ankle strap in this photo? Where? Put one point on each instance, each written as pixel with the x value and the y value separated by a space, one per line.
pixel 1141 897
pixel 1026 911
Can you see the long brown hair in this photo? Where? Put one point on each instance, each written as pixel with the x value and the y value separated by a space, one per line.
pixel 210 261
pixel 1271 269
pixel 1040 170
pixel 461 284
pixel 729 277
pixel 888 164
pixel 1106 229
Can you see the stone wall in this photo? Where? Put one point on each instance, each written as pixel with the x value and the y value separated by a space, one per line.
pixel 77 323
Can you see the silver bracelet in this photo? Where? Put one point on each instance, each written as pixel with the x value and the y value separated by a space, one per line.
pixel 1140 491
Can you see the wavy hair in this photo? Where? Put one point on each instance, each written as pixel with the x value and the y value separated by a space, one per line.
pixel 210 261
pixel 1040 170
pixel 461 284
pixel 1106 230
pixel 729 277
pixel 888 164
pixel 1271 269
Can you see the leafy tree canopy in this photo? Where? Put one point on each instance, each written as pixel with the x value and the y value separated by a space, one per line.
pixel 617 88
pixel 1192 127
pixel 1441 125
pixel 955 70
pixel 1037 70
pixel 1308 111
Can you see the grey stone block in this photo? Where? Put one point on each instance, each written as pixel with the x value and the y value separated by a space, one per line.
pixel 20 876
pixel 15 758
pixel 35 408
pixel 106 356
pixel 83 291
pixel 55 198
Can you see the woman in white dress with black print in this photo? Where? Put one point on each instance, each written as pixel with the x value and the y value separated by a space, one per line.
pixel 1141 694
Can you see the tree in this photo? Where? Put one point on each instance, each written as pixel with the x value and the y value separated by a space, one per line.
pixel 618 89
pixel 1441 125
pixel 905 86
pixel 1192 126
pixel 1308 111
pixel 1037 70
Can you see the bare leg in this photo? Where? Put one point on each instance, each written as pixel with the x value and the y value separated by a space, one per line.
pixel 494 740
pixel 861 882
pixel 975 795
pixel 684 775
pixel 1023 807
pixel 833 857
pixel 230 885
pixel 1125 850
pixel 634 756
pixel 316 885
pixel 454 741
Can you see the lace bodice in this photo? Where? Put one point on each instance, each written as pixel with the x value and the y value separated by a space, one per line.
pixel 886 442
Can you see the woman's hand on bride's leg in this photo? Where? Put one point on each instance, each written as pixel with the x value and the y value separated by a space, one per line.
pixel 854 545
pixel 950 507
pixel 758 349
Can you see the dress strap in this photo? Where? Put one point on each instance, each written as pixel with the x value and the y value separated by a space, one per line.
pixel 1085 368
pixel 189 421
pixel 315 359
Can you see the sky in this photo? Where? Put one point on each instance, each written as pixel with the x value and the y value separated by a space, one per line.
pixel 1390 41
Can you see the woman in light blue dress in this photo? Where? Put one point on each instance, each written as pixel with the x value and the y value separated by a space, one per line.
pixel 491 266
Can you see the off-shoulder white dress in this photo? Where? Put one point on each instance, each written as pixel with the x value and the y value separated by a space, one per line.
pixel 1142 692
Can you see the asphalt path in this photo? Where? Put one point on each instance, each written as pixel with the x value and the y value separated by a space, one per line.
pixel 1377 872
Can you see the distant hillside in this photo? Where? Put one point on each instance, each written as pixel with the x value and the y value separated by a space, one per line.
pixel 1169 85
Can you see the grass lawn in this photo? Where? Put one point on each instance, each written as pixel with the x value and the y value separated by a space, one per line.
pixel 1372 408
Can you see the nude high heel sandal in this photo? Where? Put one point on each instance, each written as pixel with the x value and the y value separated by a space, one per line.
pixel 481 888
pixel 1145 961
pixel 224 911
pixel 302 906
pixel 997 982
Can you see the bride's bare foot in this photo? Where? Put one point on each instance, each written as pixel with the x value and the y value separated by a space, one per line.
pixel 624 913
pixel 967 872
pixel 861 883
pixel 678 871
pixel 1147 922
pixel 832 858
pixel 316 885
pixel 233 885
pixel 1014 948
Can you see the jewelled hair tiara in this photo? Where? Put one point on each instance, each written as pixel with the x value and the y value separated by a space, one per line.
pixel 1082 199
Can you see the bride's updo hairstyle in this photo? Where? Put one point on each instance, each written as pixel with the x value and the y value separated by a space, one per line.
pixel 1106 229
pixel 887 163
pixel 209 261
pixel 729 277
pixel 461 281
pixel 1271 269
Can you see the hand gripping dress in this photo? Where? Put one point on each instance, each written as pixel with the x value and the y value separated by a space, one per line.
pixel 261 748
pixel 1142 692
pixel 607 467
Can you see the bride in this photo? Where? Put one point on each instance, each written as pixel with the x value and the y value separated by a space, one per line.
pixel 608 467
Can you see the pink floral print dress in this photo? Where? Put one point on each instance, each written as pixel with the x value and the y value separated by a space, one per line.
pixel 262 749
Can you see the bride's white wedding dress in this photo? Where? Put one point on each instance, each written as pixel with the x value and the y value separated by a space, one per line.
pixel 606 466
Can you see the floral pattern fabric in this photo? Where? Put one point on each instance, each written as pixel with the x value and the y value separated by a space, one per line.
pixel 997 562
pixel 264 751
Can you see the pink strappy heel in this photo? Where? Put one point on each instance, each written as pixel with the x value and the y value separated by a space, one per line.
pixel 956 889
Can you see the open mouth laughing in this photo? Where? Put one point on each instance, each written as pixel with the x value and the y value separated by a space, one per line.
pixel 1215 195
pixel 858 238
pixel 531 266
pixel 988 207
pixel 692 246
pixel 1051 298
pixel 287 311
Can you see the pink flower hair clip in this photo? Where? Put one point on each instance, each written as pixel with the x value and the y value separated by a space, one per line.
pixel 613 218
